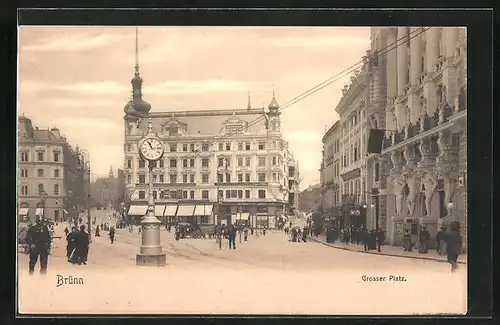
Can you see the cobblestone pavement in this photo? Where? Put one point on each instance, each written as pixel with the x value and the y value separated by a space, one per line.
pixel 264 275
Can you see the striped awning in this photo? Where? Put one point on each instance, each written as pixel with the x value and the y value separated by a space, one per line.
pixel 39 212
pixel 185 210
pixel 137 210
pixel 159 209
pixel 243 216
pixel 203 210
pixel 23 211
pixel 170 210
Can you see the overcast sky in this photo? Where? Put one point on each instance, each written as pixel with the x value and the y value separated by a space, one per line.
pixel 78 79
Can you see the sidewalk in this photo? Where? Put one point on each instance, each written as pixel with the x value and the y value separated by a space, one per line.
pixel 395 251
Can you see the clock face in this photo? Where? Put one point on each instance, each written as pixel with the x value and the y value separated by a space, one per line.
pixel 152 149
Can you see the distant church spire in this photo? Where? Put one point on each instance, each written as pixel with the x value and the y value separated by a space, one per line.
pixel 249 105
pixel 138 104
pixel 137 50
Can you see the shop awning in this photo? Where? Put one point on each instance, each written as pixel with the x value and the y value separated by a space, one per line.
pixel 159 210
pixel 23 211
pixel 203 210
pixel 137 210
pixel 39 212
pixel 170 210
pixel 185 210
pixel 243 216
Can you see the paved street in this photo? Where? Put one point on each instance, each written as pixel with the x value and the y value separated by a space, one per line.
pixel 264 275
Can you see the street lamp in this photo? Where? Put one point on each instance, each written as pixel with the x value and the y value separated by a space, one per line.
pixel 85 155
pixel 224 164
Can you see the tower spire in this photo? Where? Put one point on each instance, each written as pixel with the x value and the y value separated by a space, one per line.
pixel 249 105
pixel 137 50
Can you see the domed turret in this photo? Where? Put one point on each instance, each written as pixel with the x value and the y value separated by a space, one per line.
pixel 137 104
pixel 274 104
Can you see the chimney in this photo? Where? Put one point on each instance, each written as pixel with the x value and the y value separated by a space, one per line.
pixel 36 128
pixel 55 131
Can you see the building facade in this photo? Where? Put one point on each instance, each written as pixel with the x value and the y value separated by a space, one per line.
pixel 50 181
pixel 330 180
pixel 352 134
pixel 310 198
pixel 420 98
pixel 219 165
pixel 108 192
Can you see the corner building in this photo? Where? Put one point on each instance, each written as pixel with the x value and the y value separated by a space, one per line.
pixel 51 181
pixel 218 164
pixel 420 98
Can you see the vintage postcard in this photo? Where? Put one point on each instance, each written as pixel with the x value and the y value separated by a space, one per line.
pixel 242 170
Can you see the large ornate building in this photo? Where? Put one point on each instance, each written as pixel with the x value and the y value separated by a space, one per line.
pixel 417 92
pixel 421 100
pixel 51 180
pixel 218 164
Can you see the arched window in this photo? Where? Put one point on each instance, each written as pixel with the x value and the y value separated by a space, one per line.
pixel 376 171
pixel 40 189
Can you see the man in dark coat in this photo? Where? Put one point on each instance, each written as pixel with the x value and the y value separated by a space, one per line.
pixel 305 232
pixel 232 236
pixel 424 237
pixel 439 239
pixel 39 241
pixel 453 245
pixel 71 245
pixel 82 245
pixel 407 245
pixel 112 235
pixel 380 239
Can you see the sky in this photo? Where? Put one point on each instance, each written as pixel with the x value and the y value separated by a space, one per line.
pixel 78 79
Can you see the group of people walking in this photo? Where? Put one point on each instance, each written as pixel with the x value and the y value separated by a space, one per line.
pixel 371 239
pixel 77 248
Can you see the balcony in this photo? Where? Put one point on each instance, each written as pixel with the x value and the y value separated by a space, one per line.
pixel 425 125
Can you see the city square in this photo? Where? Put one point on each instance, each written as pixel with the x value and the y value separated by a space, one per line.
pixel 265 275
pixel 187 197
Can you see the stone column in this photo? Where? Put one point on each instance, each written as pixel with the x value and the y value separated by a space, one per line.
pixel 431 56
pixel 450 77
pixel 402 64
pixel 450 38
pixel 391 64
pixel 415 70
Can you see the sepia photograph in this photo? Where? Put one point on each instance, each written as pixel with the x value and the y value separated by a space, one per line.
pixel 248 170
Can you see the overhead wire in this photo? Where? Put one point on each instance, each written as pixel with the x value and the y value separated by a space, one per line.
pixel 398 42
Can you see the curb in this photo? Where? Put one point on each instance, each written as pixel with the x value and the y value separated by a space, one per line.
pixel 383 253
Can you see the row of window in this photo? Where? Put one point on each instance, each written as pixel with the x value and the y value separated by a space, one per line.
pixel 41 189
pixel 190 178
pixel 205 194
pixel 205 162
pixel 40 155
pixel 353 186
pixel 191 147
pixel 39 173
pixel 352 154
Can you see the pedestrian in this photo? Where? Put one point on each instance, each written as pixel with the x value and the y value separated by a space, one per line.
pixel 70 246
pixel 441 245
pixel 264 230
pixel 407 241
pixel 299 235
pixel 245 233
pixel 347 236
pixel 231 234
pixel 364 238
pixel 424 237
pixel 251 231
pixel 66 231
pixel 82 245
pixel 305 232
pixel 380 239
pixel 97 234
pixel 112 235
pixel 39 242
pixel 453 244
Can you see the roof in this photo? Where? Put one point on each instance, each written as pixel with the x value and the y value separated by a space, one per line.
pixel 206 122
pixel 330 131
pixel 45 135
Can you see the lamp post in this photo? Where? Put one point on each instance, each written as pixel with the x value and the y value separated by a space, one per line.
pixel 224 164
pixel 86 165
pixel 43 198
pixel 151 149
